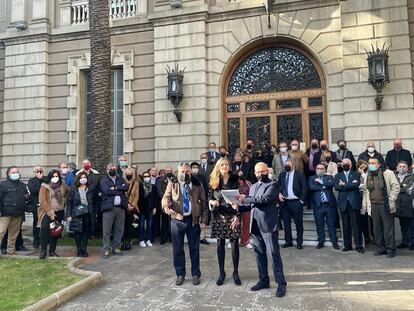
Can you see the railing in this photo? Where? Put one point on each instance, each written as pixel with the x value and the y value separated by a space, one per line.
pixel 117 9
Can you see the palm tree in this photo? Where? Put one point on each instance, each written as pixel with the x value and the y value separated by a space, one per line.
pixel 100 105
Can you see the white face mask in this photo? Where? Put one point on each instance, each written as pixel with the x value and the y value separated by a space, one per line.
pixel 294 147
pixel 203 161
pixel 147 179
pixel 55 180
pixel 270 176
pixel 83 181
pixel 64 171
pixel 195 171
pixel 371 149
pixel 283 149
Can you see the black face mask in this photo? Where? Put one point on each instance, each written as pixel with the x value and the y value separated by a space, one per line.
pixel 169 175
pixel 222 154
pixel 249 146
pixel 327 159
pixel 314 146
pixel 342 147
pixel 112 173
pixel 238 163
pixel 288 168
pixel 346 167
pixel 263 177
pixel 323 147
pixel 128 177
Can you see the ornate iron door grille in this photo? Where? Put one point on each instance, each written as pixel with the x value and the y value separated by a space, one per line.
pixel 275 94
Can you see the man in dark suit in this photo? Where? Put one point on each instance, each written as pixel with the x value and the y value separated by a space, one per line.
pixel 344 153
pixel 292 195
pixel 264 227
pixel 323 203
pixel 397 154
pixel 212 154
pixel 349 203
pixel 321 155
pixel 205 166
pixel 243 169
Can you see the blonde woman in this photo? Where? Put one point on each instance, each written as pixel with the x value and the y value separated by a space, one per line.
pixel 225 220
pixel 132 196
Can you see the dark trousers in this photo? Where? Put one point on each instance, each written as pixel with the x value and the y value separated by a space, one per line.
pixel 366 227
pixel 351 226
pixel 145 221
pixel 44 232
pixel 322 214
pixel 262 242
pixel 178 230
pixel 81 238
pixel 165 228
pixel 384 228
pixel 19 240
pixel 156 224
pixel 293 209
pixel 407 230
pixel 35 230
pixel 221 254
pixel 129 218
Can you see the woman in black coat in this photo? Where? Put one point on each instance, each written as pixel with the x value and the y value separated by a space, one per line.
pixel 226 220
pixel 80 198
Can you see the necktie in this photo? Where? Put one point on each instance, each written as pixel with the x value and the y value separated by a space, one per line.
pixel 186 202
pixel 323 197
pixel 285 188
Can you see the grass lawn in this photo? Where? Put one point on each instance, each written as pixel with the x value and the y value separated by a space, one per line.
pixel 26 281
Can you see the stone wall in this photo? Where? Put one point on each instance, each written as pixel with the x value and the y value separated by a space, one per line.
pixel 2 63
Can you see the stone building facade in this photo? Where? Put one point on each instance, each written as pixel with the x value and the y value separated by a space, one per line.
pixel 44 59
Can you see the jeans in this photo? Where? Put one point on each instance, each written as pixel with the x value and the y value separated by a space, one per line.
pixel 178 230
pixel 115 218
pixel 145 220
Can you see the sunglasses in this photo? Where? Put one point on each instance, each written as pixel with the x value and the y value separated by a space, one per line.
pixel 37 172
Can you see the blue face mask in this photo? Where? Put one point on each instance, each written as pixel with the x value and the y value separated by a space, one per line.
pixel 372 167
pixel 14 176
pixel 123 163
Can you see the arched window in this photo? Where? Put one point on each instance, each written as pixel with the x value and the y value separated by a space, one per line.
pixel 274 94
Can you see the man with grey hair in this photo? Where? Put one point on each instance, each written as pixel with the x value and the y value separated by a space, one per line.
pixel 184 200
pixel 113 207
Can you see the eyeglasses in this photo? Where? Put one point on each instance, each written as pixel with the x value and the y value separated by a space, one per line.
pixel 37 172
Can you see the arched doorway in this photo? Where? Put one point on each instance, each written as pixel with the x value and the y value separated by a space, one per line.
pixel 275 93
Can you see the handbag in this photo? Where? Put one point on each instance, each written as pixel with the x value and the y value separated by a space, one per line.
pixel 80 210
pixel 75 225
pixel 55 229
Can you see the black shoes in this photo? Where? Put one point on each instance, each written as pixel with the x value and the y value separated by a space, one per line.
pixel 380 253
pixel 281 290
pixel 21 248
pixel 53 254
pixel 390 255
pixel 42 255
pixel 196 280
pixel 236 279
pixel 347 249
pixel 320 245
pixel 179 281
pixel 360 250
pixel 79 253
pixel 299 246
pixel 220 280
pixel 205 242
pixel 4 251
pixel 290 244
pixel 335 246
pixel 259 286
pixel 36 244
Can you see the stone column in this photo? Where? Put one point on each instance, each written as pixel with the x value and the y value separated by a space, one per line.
pixel 18 11
pixel 40 14
pixel 65 13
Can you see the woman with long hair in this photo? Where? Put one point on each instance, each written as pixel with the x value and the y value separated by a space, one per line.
pixel 226 220
pixel 53 194
pixel 79 209
pixel 132 196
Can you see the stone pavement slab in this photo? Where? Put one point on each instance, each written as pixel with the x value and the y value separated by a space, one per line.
pixel 144 279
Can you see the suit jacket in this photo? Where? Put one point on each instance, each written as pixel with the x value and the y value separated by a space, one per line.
pixel 365 156
pixel 317 157
pixel 316 188
pixel 263 205
pixel 207 171
pixel 350 191
pixel 347 155
pixel 394 156
pixel 247 170
pixel 300 188
pixel 211 158
pixel 173 199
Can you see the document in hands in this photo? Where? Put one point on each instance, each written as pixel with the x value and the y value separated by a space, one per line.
pixel 230 196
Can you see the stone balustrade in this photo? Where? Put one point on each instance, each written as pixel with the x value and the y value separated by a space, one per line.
pixel 116 8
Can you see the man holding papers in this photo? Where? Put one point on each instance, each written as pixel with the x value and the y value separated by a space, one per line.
pixel 264 227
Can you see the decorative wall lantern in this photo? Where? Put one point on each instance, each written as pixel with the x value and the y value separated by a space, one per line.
pixel 176 3
pixel 378 71
pixel 175 89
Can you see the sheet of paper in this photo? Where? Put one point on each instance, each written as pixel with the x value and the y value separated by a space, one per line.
pixel 230 196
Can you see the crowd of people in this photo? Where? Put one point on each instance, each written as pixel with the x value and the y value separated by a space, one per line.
pixel 275 183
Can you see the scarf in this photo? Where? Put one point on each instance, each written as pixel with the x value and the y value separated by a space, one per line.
pixel 147 188
pixel 370 180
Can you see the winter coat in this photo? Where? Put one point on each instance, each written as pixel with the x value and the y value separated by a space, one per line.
pixel 12 198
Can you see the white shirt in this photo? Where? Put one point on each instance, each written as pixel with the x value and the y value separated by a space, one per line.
pixel 153 180
pixel 190 208
pixel 291 195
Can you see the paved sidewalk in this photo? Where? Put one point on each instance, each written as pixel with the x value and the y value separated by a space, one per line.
pixel 324 279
